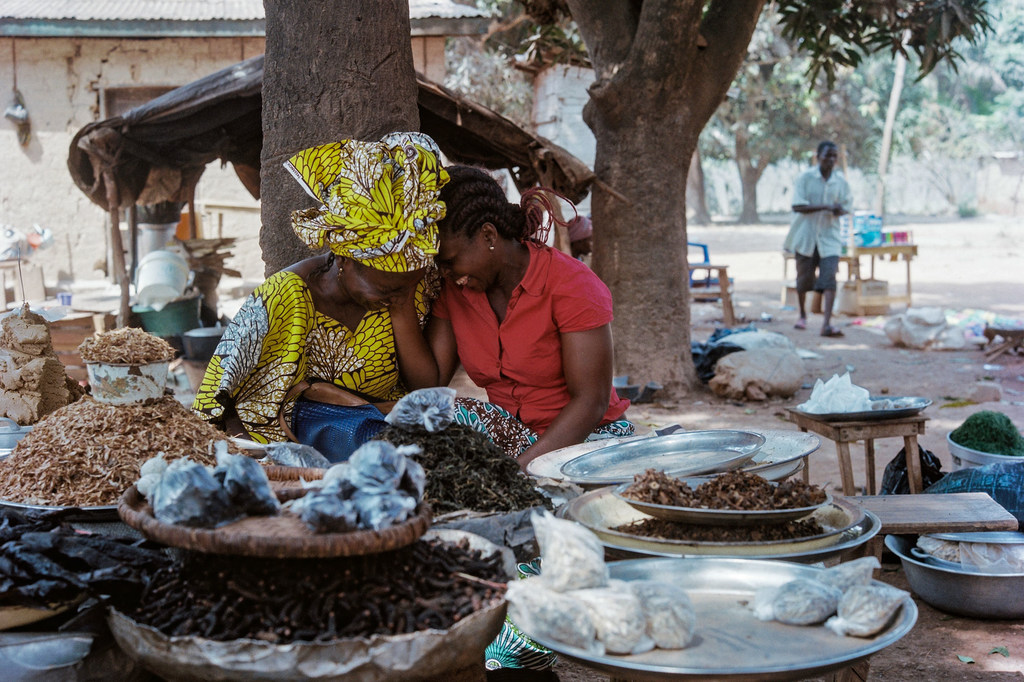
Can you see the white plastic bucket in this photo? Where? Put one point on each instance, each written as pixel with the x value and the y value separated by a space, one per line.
pixel 155 237
pixel 160 278
pixel 966 458
pixel 126 384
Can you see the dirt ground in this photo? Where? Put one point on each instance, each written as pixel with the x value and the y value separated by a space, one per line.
pixel 962 265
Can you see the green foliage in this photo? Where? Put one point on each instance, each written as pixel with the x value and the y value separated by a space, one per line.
pixel 488 78
pixel 840 33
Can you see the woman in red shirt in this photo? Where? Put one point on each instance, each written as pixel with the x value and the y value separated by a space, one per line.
pixel 529 324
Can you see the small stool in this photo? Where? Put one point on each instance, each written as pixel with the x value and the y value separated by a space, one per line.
pixel 846 432
pixel 720 289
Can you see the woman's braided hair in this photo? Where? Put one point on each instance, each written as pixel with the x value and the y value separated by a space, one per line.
pixel 472 198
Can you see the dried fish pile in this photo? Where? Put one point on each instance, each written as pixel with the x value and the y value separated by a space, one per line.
pixel 88 453
pixel 125 346
pixel 671 530
pixel 44 564
pixel 465 470
pixel 738 490
pixel 416 588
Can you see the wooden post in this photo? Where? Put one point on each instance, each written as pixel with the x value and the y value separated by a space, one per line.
pixel 120 270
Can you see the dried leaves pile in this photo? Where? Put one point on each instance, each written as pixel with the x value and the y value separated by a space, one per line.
pixel 88 453
pixel 670 530
pixel 738 490
pixel 125 346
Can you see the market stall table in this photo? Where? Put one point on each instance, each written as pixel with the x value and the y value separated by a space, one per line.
pixel 720 289
pixel 846 432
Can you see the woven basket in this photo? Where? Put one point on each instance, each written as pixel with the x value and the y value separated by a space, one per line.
pixel 276 472
pixel 284 536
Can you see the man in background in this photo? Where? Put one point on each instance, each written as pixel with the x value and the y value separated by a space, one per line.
pixel 820 195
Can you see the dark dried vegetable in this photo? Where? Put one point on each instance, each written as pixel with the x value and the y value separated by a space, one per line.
pixel 45 564
pixel 737 490
pixel 426 585
pixel 671 530
pixel 465 470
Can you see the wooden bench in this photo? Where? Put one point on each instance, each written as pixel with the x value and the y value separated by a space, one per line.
pixel 720 290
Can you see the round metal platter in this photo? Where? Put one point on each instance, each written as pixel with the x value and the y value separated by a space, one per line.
pixel 782 454
pixel 95 514
pixel 992 537
pixel 717 517
pixel 679 454
pixel 909 406
pixel 549 465
pixel 601 511
pixel 729 642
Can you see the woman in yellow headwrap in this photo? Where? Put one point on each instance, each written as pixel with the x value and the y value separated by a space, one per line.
pixel 353 316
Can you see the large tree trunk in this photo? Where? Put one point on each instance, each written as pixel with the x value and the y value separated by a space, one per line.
pixel 750 175
pixel 333 71
pixel 655 90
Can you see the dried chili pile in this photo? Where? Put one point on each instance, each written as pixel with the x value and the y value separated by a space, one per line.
pixel 44 564
pixel 671 530
pixel 416 588
pixel 125 346
pixel 465 470
pixel 88 453
pixel 738 490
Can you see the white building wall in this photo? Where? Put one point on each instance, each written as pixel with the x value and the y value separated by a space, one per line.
pixel 62 82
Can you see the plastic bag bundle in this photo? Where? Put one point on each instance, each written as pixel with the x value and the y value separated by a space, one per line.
pixel 986 557
pixel 378 511
pixel 378 466
pixel 414 481
pixel 866 609
pixel 799 602
pixel 668 613
pixel 187 494
pixel 432 409
pixel 290 454
pixel 846 575
pixel 245 483
pixel 838 394
pixel 941 549
pixel 572 556
pixel 617 616
pixel 546 614
pixel 150 472
pixel 326 512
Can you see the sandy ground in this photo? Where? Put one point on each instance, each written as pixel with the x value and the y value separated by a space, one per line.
pixel 976 264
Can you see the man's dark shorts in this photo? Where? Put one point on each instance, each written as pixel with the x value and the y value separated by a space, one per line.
pixel 827 268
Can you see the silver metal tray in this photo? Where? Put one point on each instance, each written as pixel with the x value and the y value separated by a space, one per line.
pixel 94 514
pixel 681 454
pixel 549 465
pixel 914 405
pixel 600 511
pixel 717 517
pixel 959 591
pixel 992 537
pixel 729 642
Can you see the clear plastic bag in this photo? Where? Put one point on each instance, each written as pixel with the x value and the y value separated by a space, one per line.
pixel 866 609
pixel 668 613
pixel 546 614
pixel 572 557
pixel 245 483
pixel 380 510
pixel 987 557
pixel 324 511
pixel 288 454
pixel 846 575
pixel 150 472
pixel 187 494
pixel 432 409
pixel 799 602
pixel 378 466
pixel 617 616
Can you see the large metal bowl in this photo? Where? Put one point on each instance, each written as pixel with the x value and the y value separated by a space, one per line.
pixel 689 453
pixel 975 595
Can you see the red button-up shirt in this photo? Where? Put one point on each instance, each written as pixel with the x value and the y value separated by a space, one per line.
pixel 519 361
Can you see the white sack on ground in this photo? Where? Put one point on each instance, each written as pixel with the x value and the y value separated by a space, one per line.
pixel 758 374
pixel 924 328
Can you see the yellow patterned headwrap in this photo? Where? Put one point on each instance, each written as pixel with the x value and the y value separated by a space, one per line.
pixel 379 200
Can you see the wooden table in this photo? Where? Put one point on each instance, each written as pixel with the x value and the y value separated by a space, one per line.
pixel 722 290
pixel 894 252
pixel 938 513
pixel 846 432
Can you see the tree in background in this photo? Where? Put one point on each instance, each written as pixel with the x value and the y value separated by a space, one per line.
pixel 662 67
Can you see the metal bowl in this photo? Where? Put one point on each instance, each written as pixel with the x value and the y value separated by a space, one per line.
pixel 681 454
pixel 718 517
pixel 965 593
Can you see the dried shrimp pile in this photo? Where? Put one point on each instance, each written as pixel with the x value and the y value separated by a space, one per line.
pixel 733 490
pixel 88 453
pixel 125 346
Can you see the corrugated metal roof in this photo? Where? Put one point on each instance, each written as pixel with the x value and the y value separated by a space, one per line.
pixel 188 10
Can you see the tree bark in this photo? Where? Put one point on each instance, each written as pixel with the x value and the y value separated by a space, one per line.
pixel 333 71
pixel 655 89
pixel 750 175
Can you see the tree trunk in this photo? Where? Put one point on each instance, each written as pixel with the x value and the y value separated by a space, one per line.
pixel 655 89
pixel 749 175
pixel 333 71
pixel 696 192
